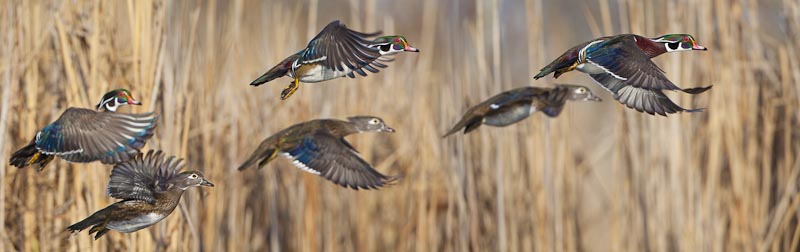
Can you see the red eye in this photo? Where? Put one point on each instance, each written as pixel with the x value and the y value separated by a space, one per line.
pixel 685 39
pixel 397 40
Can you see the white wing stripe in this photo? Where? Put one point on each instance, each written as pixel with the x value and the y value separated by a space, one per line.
pixel 140 125
pixel 315 60
pixel 604 86
pixel 299 164
pixel 126 136
pixel 60 153
pixel 607 71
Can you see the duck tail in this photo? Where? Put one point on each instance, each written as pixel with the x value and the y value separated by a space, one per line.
pixel 268 76
pixel 542 73
pixel 261 155
pixel 455 128
pixel 250 161
pixel 467 123
pixel 277 71
pixel 97 221
pixel 94 220
pixel 29 155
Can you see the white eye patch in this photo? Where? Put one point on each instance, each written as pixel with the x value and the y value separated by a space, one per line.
pixel 673 46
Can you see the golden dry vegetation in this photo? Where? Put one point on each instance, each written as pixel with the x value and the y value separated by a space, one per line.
pixel 598 178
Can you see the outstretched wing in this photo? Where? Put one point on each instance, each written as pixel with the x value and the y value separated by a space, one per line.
pixel 82 135
pixel 143 177
pixel 641 99
pixel 342 50
pixel 552 102
pixel 621 58
pixel 332 158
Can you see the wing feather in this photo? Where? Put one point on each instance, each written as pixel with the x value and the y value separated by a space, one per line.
pixel 640 99
pixel 325 155
pixel 83 135
pixel 346 50
pixel 143 177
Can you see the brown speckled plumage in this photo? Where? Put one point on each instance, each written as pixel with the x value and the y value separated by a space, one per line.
pixel 150 188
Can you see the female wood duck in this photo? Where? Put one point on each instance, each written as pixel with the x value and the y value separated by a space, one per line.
pixel 621 64
pixel 335 52
pixel 514 105
pixel 318 147
pixel 84 135
pixel 150 188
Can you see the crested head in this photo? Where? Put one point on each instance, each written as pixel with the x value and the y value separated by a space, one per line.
pixel 679 42
pixel 369 124
pixel 112 100
pixel 187 179
pixel 579 93
pixel 389 45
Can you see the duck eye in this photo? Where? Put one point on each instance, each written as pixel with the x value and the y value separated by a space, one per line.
pixel 386 47
pixel 374 121
pixel 193 176
pixel 673 45
pixel 581 90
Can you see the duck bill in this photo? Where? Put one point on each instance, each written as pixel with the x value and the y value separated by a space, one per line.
pixel 388 129
pixel 595 98
pixel 206 183
pixel 699 47
pixel 131 101
pixel 410 49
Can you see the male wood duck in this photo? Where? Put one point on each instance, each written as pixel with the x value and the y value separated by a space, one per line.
pixel 85 135
pixel 514 105
pixel 319 147
pixel 335 52
pixel 150 188
pixel 621 64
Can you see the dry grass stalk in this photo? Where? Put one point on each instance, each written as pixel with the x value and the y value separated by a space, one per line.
pixel 598 178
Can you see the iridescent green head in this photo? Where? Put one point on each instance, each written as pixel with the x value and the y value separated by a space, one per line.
pixel 112 100
pixel 679 42
pixel 389 45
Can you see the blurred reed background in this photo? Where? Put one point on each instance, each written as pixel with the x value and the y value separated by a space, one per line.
pixel 598 178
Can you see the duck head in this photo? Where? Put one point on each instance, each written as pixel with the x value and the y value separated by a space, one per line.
pixel 369 124
pixel 390 45
pixel 188 179
pixel 679 42
pixel 579 93
pixel 116 98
